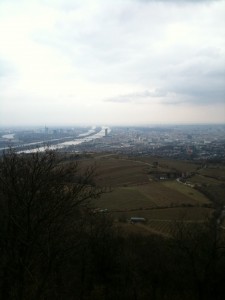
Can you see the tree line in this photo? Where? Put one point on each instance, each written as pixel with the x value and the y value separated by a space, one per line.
pixel 52 245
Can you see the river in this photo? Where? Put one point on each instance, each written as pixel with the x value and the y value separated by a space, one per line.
pixel 85 137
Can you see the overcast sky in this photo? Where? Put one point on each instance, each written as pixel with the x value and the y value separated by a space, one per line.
pixel 106 62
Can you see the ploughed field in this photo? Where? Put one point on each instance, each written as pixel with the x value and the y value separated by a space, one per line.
pixel 163 192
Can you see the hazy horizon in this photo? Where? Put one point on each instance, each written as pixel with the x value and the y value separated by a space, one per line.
pixel 150 125
pixel 120 63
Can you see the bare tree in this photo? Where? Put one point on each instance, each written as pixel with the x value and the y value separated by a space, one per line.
pixel 40 202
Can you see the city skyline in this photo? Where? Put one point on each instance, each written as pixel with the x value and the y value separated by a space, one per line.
pixel 132 62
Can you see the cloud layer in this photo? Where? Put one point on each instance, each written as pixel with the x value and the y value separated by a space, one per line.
pixel 101 61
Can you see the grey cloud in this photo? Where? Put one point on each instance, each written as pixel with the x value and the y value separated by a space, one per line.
pixel 186 93
pixel 192 76
pixel 115 34
pixel 194 82
pixel 200 79
pixel 211 52
pixel 117 46
pixel 200 93
pixel 137 97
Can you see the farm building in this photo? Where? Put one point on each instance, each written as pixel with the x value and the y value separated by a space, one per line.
pixel 134 220
pixel 165 175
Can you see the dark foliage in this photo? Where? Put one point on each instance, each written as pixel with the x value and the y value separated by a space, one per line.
pixel 53 247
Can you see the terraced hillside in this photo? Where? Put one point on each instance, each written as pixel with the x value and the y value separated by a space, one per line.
pixel 137 190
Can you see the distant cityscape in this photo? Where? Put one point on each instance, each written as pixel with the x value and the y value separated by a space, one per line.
pixel 196 142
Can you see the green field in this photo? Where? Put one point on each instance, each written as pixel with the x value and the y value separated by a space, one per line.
pixel 200 179
pixel 154 194
pixel 160 202
pixel 171 164
pixel 214 172
pixel 167 214
pixel 119 172
pixel 194 196
pixel 162 221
